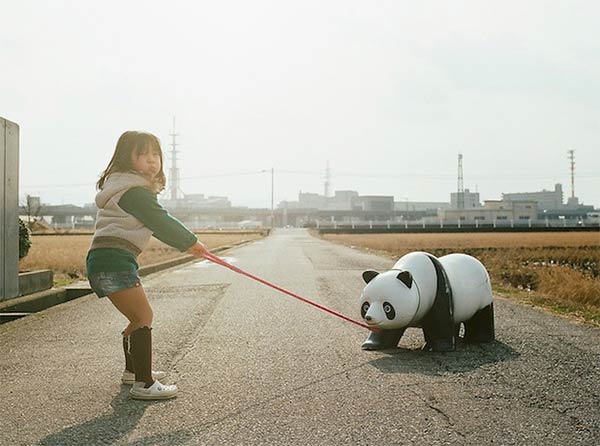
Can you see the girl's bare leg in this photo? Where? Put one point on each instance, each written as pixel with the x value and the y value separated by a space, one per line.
pixel 134 305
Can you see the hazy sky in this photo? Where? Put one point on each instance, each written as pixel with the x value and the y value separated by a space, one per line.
pixel 389 92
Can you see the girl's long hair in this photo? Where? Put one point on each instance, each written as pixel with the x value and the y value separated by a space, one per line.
pixel 134 142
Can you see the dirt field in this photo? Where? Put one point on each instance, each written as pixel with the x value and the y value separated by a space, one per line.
pixel 557 270
pixel 65 254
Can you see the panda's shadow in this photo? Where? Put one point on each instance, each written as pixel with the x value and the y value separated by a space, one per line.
pixel 465 358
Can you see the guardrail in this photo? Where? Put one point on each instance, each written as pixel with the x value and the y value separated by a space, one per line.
pixel 379 227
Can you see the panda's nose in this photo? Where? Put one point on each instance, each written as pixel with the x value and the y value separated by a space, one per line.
pixel 369 318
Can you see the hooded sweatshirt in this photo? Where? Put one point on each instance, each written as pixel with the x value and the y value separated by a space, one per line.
pixel 128 215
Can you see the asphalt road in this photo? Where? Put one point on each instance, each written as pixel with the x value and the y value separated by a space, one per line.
pixel 255 366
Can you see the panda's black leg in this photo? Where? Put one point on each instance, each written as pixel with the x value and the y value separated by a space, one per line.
pixel 480 328
pixel 382 339
pixel 435 341
pixel 439 329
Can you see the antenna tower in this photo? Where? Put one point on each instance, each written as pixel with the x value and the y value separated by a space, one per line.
pixel 572 159
pixel 173 171
pixel 460 189
pixel 327 179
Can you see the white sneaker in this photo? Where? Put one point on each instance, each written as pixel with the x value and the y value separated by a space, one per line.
pixel 129 377
pixel 156 391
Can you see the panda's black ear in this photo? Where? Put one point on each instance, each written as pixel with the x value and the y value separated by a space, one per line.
pixel 369 275
pixel 405 277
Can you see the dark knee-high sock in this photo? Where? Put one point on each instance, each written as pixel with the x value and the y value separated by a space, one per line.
pixel 141 353
pixel 128 360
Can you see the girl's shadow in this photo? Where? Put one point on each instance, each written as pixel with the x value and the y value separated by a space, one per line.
pixel 465 358
pixel 112 427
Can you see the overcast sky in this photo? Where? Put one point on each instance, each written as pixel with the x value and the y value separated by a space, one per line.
pixel 389 92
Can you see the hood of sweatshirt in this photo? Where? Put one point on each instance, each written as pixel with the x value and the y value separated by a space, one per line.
pixel 119 182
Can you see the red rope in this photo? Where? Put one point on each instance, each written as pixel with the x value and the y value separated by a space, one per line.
pixel 222 262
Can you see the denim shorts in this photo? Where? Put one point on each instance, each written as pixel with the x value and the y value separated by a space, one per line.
pixel 105 283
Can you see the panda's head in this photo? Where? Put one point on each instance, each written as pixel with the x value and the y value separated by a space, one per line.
pixel 389 300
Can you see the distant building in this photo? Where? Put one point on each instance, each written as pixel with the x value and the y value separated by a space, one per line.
pixel 34 202
pixel 470 200
pixel 343 200
pixel 197 201
pixel 411 206
pixel 546 200
pixel 492 211
pixel 374 203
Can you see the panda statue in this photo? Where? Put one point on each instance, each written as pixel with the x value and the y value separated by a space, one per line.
pixel 434 294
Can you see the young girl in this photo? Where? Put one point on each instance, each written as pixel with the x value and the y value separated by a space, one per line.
pixel 128 215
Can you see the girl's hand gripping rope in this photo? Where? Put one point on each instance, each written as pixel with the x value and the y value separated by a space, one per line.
pixel 198 250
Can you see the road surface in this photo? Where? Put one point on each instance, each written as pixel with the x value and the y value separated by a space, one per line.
pixel 255 366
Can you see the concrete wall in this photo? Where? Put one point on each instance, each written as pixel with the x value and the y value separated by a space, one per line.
pixel 9 209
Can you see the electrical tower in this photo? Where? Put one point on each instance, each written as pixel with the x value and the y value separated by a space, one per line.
pixel 173 170
pixel 327 180
pixel 460 190
pixel 572 158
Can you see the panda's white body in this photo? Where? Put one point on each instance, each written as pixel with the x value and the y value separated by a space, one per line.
pixel 405 295
pixel 468 278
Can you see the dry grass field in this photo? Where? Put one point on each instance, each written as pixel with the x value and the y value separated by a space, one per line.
pixel 557 270
pixel 65 254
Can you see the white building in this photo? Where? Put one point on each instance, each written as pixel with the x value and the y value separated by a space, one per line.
pixel 493 211
pixel 470 200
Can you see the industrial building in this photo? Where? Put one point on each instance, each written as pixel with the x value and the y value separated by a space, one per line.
pixel 546 199
pixel 492 211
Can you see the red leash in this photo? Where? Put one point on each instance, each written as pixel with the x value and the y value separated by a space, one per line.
pixel 222 262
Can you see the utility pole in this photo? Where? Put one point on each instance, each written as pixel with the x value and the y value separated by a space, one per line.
pixel 572 159
pixel 327 180
pixel 460 190
pixel 272 196
pixel 272 202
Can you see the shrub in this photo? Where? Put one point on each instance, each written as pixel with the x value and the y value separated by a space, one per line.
pixel 24 239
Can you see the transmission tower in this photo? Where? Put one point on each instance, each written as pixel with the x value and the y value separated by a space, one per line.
pixel 327 180
pixel 460 190
pixel 173 171
pixel 572 159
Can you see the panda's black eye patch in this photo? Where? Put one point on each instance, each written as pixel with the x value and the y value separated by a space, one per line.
pixel 389 311
pixel 364 308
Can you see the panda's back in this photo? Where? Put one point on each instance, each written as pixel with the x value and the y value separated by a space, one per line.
pixel 421 268
pixel 470 284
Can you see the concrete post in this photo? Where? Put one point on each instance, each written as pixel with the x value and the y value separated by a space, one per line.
pixel 9 209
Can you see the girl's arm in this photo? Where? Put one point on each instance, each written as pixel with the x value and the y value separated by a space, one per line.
pixel 143 205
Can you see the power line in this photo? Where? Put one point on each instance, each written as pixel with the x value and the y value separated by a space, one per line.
pixel 386 176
